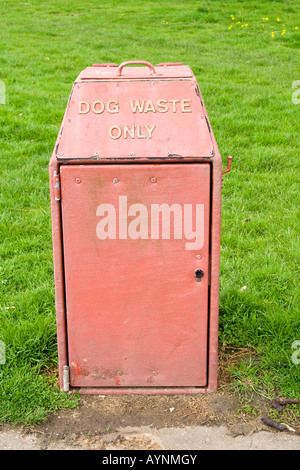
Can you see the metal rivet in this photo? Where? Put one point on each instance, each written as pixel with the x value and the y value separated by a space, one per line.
pixel 153 180
pixel 96 153
pixel 78 180
pixel 198 256
pixel 115 180
pixel 154 372
pixel 119 373
pixel 61 153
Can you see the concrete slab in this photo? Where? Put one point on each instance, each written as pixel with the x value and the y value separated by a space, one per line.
pixel 147 438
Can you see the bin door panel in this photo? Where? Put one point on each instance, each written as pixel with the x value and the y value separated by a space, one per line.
pixel 133 237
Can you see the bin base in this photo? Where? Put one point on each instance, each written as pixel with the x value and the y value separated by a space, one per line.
pixel 143 390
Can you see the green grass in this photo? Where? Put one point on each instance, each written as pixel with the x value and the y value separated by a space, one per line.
pixel 246 77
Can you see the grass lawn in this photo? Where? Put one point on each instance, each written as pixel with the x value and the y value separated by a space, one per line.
pixel 245 56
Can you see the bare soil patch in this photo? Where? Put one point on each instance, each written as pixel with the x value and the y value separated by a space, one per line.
pixel 98 419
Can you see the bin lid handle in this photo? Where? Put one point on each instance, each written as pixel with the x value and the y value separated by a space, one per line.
pixel 135 62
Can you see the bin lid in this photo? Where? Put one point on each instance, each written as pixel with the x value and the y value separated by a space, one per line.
pixel 111 71
pixel 135 113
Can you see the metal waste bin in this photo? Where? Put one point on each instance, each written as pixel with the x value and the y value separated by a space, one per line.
pixel 135 181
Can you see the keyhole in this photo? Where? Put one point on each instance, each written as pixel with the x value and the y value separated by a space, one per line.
pixel 199 274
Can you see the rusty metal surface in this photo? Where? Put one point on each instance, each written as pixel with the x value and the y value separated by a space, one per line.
pixel 136 314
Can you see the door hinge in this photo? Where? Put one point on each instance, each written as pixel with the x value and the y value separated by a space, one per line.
pixel 56 183
pixel 66 379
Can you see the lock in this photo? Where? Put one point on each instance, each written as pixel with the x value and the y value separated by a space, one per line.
pixel 199 274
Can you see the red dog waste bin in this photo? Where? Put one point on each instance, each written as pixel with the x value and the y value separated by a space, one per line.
pixel 136 181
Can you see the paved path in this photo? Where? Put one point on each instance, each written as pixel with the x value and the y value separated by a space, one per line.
pixel 187 438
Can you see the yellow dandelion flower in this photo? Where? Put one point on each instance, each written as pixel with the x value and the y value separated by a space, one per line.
pixel 242 25
pixel 246 24
pixel 265 19
pixel 283 32
pixel 296 27
pixel 230 26
pixel 278 19
pixel 273 34
pixel 232 17
pixel 238 22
